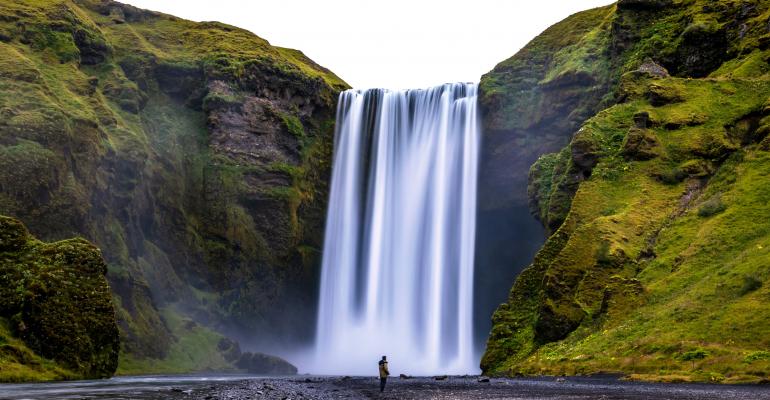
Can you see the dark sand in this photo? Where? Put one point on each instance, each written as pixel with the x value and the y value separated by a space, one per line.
pixel 307 388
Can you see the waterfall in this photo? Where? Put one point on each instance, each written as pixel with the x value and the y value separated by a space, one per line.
pixel 397 275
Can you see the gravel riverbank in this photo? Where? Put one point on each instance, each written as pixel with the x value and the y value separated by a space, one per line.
pixel 332 388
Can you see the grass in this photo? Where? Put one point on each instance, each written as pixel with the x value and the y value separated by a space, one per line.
pixel 194 349
pixel 20 364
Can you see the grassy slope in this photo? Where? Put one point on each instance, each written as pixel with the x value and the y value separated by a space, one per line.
pixel 659 269
pixel 20 364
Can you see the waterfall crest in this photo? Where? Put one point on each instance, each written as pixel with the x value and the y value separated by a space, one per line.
pixel 397 275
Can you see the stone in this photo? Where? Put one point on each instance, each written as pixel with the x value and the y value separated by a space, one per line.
pixel 59 298
pixel 263 364
pixel 585 151
pixel 653 69
pixel 642 119
pixel 640 144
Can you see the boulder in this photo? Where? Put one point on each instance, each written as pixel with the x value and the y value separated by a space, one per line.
pixel 585 151
pixel 58 300
pixel 640 144
pixel 653 69
pixel 263 364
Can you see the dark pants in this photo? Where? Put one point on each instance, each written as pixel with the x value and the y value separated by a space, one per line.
pixel 382 383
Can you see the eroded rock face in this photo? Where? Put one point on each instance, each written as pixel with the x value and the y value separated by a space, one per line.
pixel 58 301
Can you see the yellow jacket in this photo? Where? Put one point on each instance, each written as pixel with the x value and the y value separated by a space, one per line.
pixel 384 369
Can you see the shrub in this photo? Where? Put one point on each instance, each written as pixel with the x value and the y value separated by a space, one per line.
pixel 750 284
pixel 757 356
pixel 697 354
pixel 672 176
pixel 712 206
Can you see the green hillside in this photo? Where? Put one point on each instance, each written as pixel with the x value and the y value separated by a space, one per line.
pixel 657 263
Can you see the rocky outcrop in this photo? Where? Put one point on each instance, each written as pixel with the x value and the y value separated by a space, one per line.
pixel 195 155
pixel 263 364
pixel 56 299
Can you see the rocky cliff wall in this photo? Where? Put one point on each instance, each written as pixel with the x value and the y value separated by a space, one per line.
pixel 195 155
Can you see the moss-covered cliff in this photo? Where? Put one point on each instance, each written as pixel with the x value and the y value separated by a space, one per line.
pixel 657 262
pixel 56 315
pixel 195 155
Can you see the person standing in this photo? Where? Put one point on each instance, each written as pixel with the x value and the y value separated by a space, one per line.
pixel 383 373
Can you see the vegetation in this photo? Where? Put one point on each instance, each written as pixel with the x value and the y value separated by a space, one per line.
pixel 658 268
pixel 157 139
pixel 56 315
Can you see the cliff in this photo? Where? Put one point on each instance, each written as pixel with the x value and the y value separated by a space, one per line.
pixel 195 155
pixel 657 203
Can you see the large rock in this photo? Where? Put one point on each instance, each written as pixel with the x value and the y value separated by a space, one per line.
pixel 263 364
pixel 58 300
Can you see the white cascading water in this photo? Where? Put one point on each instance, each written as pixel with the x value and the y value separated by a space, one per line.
pixel 397 275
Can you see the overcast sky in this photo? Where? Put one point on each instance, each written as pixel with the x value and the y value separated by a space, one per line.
pixel 394 43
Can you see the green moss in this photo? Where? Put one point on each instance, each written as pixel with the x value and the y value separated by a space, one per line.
pixel 293 125
pixel 106 124
pixel 657 270
pixel 195 348
pixel 56 300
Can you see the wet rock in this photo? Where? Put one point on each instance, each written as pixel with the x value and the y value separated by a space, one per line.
pixel 483 380
pixel 404 376
pixel 440 378
pixel 263 364
pixel 702 50
pixel 183 81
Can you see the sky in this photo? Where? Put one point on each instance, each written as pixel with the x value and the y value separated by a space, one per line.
pixel 393 44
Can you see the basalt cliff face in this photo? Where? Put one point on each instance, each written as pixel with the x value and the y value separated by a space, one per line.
pixel 195 155
pixel 650 119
